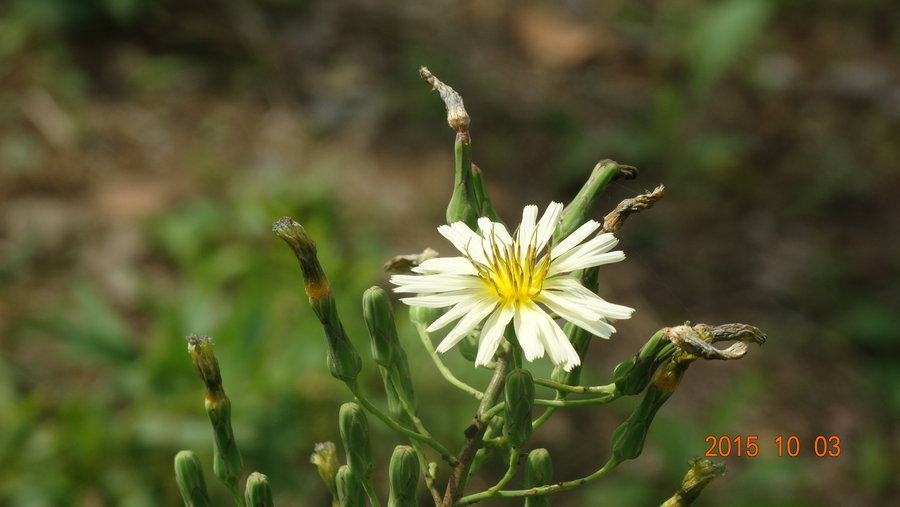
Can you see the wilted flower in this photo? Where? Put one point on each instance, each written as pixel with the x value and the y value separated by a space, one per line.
pixel 500 278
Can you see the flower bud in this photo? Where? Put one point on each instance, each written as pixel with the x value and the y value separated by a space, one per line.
pixel 424 316
pixel 189 476
pixel 702 472
pixel 582 206
pixel 324 457
pixel 519 395
pixel 343 361
pixel 257 492
pixel 228 465
pixel 404 477
pixel 628 439
pixel 350 492
pixel 382 330
pixel 633 375
pixel 355 434
pixel 538 472
pixel 200 349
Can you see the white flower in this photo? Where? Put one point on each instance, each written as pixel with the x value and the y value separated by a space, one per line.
pixel 501 279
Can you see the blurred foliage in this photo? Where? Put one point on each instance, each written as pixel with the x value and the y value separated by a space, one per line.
pixel 145 146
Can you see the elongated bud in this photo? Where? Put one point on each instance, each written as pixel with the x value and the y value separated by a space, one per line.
pixel 189 476
pixel 582 206
pixel 404 477
pixel 324 457
pixel 257 492
pixel 538 472
pixel 701 473
pixel 228 465
pixel 519 394
pixel 482 199
pixel 628 439
pixel 633 375
pixel 354 430
pixel 388 353
pixel 350 492
pixel 382 330
pixel 343 361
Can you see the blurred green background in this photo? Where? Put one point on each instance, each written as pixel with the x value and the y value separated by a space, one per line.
pixel 146 146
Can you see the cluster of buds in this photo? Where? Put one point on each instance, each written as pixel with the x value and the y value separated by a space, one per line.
pixel 493 290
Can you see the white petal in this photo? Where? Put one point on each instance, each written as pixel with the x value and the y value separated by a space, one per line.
pixel 464 239
pixel 439 300
pixel 574 239
pixel 574 291
pixel 567 264
pixel 547 225
pixel 446 265
pixel 495 231
pixel 492 332
pixel 599 244
pixel 527 331
pixel 467 323
pixel 430 284
pixel 570 310
pixel 462 308
pixel 556 343
pixel 525 234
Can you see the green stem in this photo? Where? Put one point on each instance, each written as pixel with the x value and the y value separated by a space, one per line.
pixel 396 426
pixel 426 341
pixel 474 434
pixel 510 471
pixel 574 389
pixel 541 490
pixel 537 423
pixel 370 492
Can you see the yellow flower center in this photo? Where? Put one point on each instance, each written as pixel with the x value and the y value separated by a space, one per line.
pixel 516 278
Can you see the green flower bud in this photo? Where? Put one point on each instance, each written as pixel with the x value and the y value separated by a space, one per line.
pixel 628 439
pixel 324 457
pixel 424 316
pixel 702 472
pixel 404 477
pixel 388 353
pixel 482 199
pixel 538 472
pixel 463 206
pixel 519 394
pixel 343 361
pixel 382 330
pixel 189 476
pixel 355 434
pixel 257 492
pixel 633 375
pixel 350 492
pixel 228 465
pixel 582 206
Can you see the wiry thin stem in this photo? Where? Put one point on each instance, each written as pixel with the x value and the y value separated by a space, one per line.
pixel 541 490
pixel 396 426
pixel 426 341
